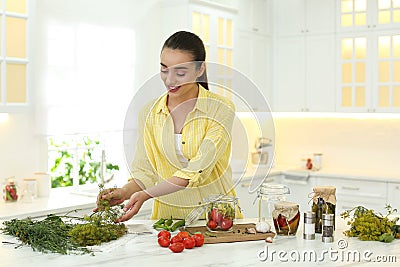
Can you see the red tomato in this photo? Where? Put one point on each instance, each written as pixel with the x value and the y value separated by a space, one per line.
pixel 176 247
pixel 212 224
pixel 199 239
pixel 163 241
pixel 164 233
pixel 182 234
pixel 216 216
pixel 226 224
pixel 189 242
pixel 176 239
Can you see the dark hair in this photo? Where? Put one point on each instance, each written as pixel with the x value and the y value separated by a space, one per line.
pixel 189 42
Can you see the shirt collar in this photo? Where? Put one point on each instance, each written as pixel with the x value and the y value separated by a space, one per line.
pixel 201 103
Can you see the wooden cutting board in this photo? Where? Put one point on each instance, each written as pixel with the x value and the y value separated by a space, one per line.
pixel 238 234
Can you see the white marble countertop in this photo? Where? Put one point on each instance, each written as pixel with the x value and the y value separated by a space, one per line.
pixel 60 201
pixel 143 250
pixel 359 174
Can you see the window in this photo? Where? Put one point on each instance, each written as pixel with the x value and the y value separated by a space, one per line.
pixel 13 53
pixel 88 85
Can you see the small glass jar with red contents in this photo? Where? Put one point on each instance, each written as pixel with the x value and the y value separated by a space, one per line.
pixel 220 212
pixel 10 191
pixel 286 217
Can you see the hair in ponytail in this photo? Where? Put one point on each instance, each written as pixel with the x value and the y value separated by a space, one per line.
pixel 190 42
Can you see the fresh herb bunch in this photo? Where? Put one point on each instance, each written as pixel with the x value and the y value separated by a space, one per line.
pixel 67 234
pixel 367 225
pixel 48 235
pixel 99 227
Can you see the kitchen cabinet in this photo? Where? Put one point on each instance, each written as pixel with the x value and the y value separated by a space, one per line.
pixel 299 17
pixel 393 197
pixel 352 192
pixel 305 56
pixel 362 15
pixel 255 16
pixel 369 56
pixel 305 74
pixel 14 56
pixel 252 59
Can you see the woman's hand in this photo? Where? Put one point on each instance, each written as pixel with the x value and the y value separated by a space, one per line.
pixel 114 196
pixel 133 206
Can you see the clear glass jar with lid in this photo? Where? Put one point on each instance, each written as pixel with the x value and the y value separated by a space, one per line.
pixel 221 212
pixel 268 195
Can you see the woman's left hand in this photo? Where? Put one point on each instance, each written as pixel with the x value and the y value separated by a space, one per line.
pixel 133 206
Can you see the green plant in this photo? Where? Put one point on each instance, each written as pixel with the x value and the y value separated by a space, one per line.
pixel 66 155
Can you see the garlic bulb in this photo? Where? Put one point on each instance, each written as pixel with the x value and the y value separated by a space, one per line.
pixel 263 227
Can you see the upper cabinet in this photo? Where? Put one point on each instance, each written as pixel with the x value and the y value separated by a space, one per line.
pixel 362 15
pixel 13 55
pixel 297 17
pixel 369 56
pixel 255 16
pixel 304 55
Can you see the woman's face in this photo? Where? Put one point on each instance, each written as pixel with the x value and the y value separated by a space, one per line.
pixel 178 71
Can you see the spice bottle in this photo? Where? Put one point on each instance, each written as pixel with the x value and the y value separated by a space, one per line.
pixel 324 197
pixel 327 228
pixel 309 225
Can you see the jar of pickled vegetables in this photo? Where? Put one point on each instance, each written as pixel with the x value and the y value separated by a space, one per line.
pixel 220 212
pixel 286 218
pixel 10 191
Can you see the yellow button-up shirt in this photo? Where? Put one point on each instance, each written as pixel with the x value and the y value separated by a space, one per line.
pixel 206 143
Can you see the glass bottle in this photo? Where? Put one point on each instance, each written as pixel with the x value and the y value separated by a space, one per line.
pixel 318 209
pixel 268 195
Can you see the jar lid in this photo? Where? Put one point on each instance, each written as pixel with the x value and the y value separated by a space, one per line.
pixel 274 189
pixel 284 205
pixel 223 198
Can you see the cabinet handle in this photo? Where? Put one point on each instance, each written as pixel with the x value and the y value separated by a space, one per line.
pixel 397 187
pixel 347 208
pixel 350 188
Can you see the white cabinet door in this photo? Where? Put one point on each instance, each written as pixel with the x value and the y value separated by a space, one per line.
pixel 393 198
pixel 305 76
pixel 252 58
pixel 320 73
pixel 255 16
pixel 290 87
pixel 294 17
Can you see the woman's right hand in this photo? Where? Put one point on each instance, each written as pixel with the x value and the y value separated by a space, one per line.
pixel 114 196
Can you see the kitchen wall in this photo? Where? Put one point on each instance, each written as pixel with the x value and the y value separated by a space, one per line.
pixel 347 143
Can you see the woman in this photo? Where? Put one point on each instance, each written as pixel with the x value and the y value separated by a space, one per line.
pixel 184 143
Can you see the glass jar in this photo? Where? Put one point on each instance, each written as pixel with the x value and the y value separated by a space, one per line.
pixel 286 218
pixel 268 195
pixel 10 191
pixel 221 211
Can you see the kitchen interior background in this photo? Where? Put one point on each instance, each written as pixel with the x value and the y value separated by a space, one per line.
pixel 368 143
